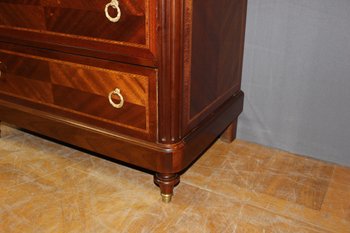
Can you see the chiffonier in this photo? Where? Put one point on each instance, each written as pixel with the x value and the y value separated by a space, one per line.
pixel 152 83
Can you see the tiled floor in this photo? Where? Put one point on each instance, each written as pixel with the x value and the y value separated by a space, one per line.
pixel 241 187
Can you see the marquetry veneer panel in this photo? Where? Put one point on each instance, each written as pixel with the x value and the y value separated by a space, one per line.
pixel 77 18
pixel 82 27
pixel 77 90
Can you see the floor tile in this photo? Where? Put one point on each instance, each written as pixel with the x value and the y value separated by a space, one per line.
pixel 337 200
pixel 253 219
pixel 237 187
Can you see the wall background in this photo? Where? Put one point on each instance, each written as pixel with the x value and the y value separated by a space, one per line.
pixel 296 77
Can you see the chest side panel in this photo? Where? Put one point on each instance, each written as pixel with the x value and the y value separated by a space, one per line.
pixel 213 45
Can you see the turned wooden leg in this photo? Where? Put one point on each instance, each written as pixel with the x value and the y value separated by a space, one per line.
pixel 166 183
pixel 230 132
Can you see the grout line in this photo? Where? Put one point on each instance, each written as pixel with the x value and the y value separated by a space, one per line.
pixel 209 190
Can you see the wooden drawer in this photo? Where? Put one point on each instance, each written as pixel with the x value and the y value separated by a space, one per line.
pixel 81 92
pixel 83 26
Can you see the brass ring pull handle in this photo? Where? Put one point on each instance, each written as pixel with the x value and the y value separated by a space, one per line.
pixel 115 5
pixel 110 97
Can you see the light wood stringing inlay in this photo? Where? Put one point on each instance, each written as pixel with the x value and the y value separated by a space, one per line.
pixel 94 80
pixel 25 20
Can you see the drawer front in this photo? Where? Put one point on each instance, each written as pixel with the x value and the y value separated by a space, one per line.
pixel 82 93
pixel 94 25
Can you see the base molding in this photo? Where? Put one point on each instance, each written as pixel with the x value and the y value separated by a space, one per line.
pixel 166 160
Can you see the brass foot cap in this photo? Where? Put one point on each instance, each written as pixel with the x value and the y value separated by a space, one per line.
pixel 166 198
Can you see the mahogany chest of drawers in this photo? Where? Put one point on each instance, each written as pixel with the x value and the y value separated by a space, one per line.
pixel 148 82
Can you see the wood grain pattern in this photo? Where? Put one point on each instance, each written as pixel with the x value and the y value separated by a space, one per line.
pixel 200 73
pixel 178 64
pixel 100 81
pixel 170 83
pixel 78 18
pixel 80 89
pixel 161 158
pixel 230 133
pixel 26 77
pixel 22 15
pixel 31 89
pixel 218 32
pixel 81 27
pixel 130 115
